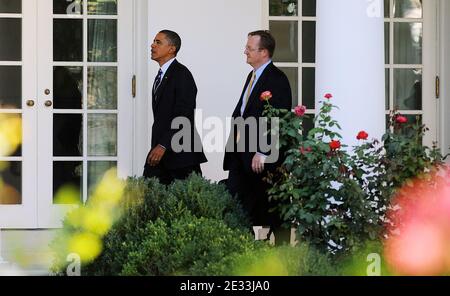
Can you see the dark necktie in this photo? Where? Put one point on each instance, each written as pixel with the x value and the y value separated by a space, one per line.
pixel 157 81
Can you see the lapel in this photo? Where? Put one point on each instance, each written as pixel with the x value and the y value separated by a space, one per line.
pixel 237 110
pixel 162 85
pixel 257 90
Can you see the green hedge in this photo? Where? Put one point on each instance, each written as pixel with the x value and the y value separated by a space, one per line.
pixel 192 227
pixel 177 229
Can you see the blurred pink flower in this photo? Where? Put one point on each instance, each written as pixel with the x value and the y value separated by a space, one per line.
pixel 422 243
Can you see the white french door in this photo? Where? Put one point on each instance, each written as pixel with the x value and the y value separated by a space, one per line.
pixel 75 106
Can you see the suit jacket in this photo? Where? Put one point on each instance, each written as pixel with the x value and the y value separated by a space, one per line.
pixel 274 80
pixel 176 97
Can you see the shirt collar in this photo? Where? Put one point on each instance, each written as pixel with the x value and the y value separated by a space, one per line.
pixel 260 70
pixel 166 66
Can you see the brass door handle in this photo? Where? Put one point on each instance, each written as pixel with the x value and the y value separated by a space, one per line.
pixel 30 103
pixel 48 103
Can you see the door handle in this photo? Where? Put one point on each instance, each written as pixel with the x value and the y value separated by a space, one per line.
pixel 30 103
pixel 48 103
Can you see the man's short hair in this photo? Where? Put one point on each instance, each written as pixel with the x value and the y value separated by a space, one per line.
pixel 173 38
pixel 267 41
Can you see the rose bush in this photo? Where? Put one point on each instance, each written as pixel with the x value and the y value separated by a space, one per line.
pixel 338 197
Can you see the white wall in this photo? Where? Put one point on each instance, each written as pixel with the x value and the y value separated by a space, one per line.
pixel 213 34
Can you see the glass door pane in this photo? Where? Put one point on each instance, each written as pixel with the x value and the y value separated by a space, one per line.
pixel 10 103
pixel 85 94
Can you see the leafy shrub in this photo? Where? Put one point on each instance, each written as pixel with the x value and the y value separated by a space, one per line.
pixel 192 227
pixel 152 216
pixel 188 246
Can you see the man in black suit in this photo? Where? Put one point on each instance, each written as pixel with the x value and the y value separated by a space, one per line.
pixel 173 99
pixel 247 167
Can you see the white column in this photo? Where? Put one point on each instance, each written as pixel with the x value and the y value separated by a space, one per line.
pixel 350 64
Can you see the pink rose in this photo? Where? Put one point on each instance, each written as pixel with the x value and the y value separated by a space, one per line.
pixel 328 96
pixel 300 111
pixel 401 119
pixel 303 150
pixel 265 96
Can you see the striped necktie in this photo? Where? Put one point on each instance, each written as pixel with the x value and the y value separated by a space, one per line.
pixel 249 88
pixel 157 81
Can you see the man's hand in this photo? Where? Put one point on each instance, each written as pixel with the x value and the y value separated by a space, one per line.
pixel 155 155
pixel 258 163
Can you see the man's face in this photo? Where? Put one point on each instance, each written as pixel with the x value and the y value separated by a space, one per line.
pixel 255 55
pixel 161 50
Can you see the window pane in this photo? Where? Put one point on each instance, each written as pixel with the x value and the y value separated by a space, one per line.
pixel 386 8
pixel 68 87
pixel 408 43
pixel 67 7
pixel 10 6
pixel 67 135
pixel 102 88
pixel 386 42
pixel 102 135
pixel 10 143
pixel 102 7
pixel 10 39
pixel 10 87
pixel 406 130
pixel 309 8
pixel 96 170
pixel 283 7
pixel 309 87
pixel 102 40
pixel 68 40
pixel 10 183
pixel 67 182
pixel 408 8
pixel 308 124
pixel 309 42
pixel 408 89
pixel 286 36
pixel 292 75
pixel 388 83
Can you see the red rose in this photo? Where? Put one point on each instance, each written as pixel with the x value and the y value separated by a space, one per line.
pixel 334 145
pixel 401 119
pixel 300 111
pixel 265 96
pixel 328 96
pixel 362 135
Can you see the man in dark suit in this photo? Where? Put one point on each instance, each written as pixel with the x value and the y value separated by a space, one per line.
pixel 247 167
pixel 173 98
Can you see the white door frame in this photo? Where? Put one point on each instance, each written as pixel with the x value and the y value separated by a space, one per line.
pixel 25 215
pixel 430 61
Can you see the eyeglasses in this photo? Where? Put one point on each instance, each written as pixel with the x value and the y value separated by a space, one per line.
pixel 251 49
